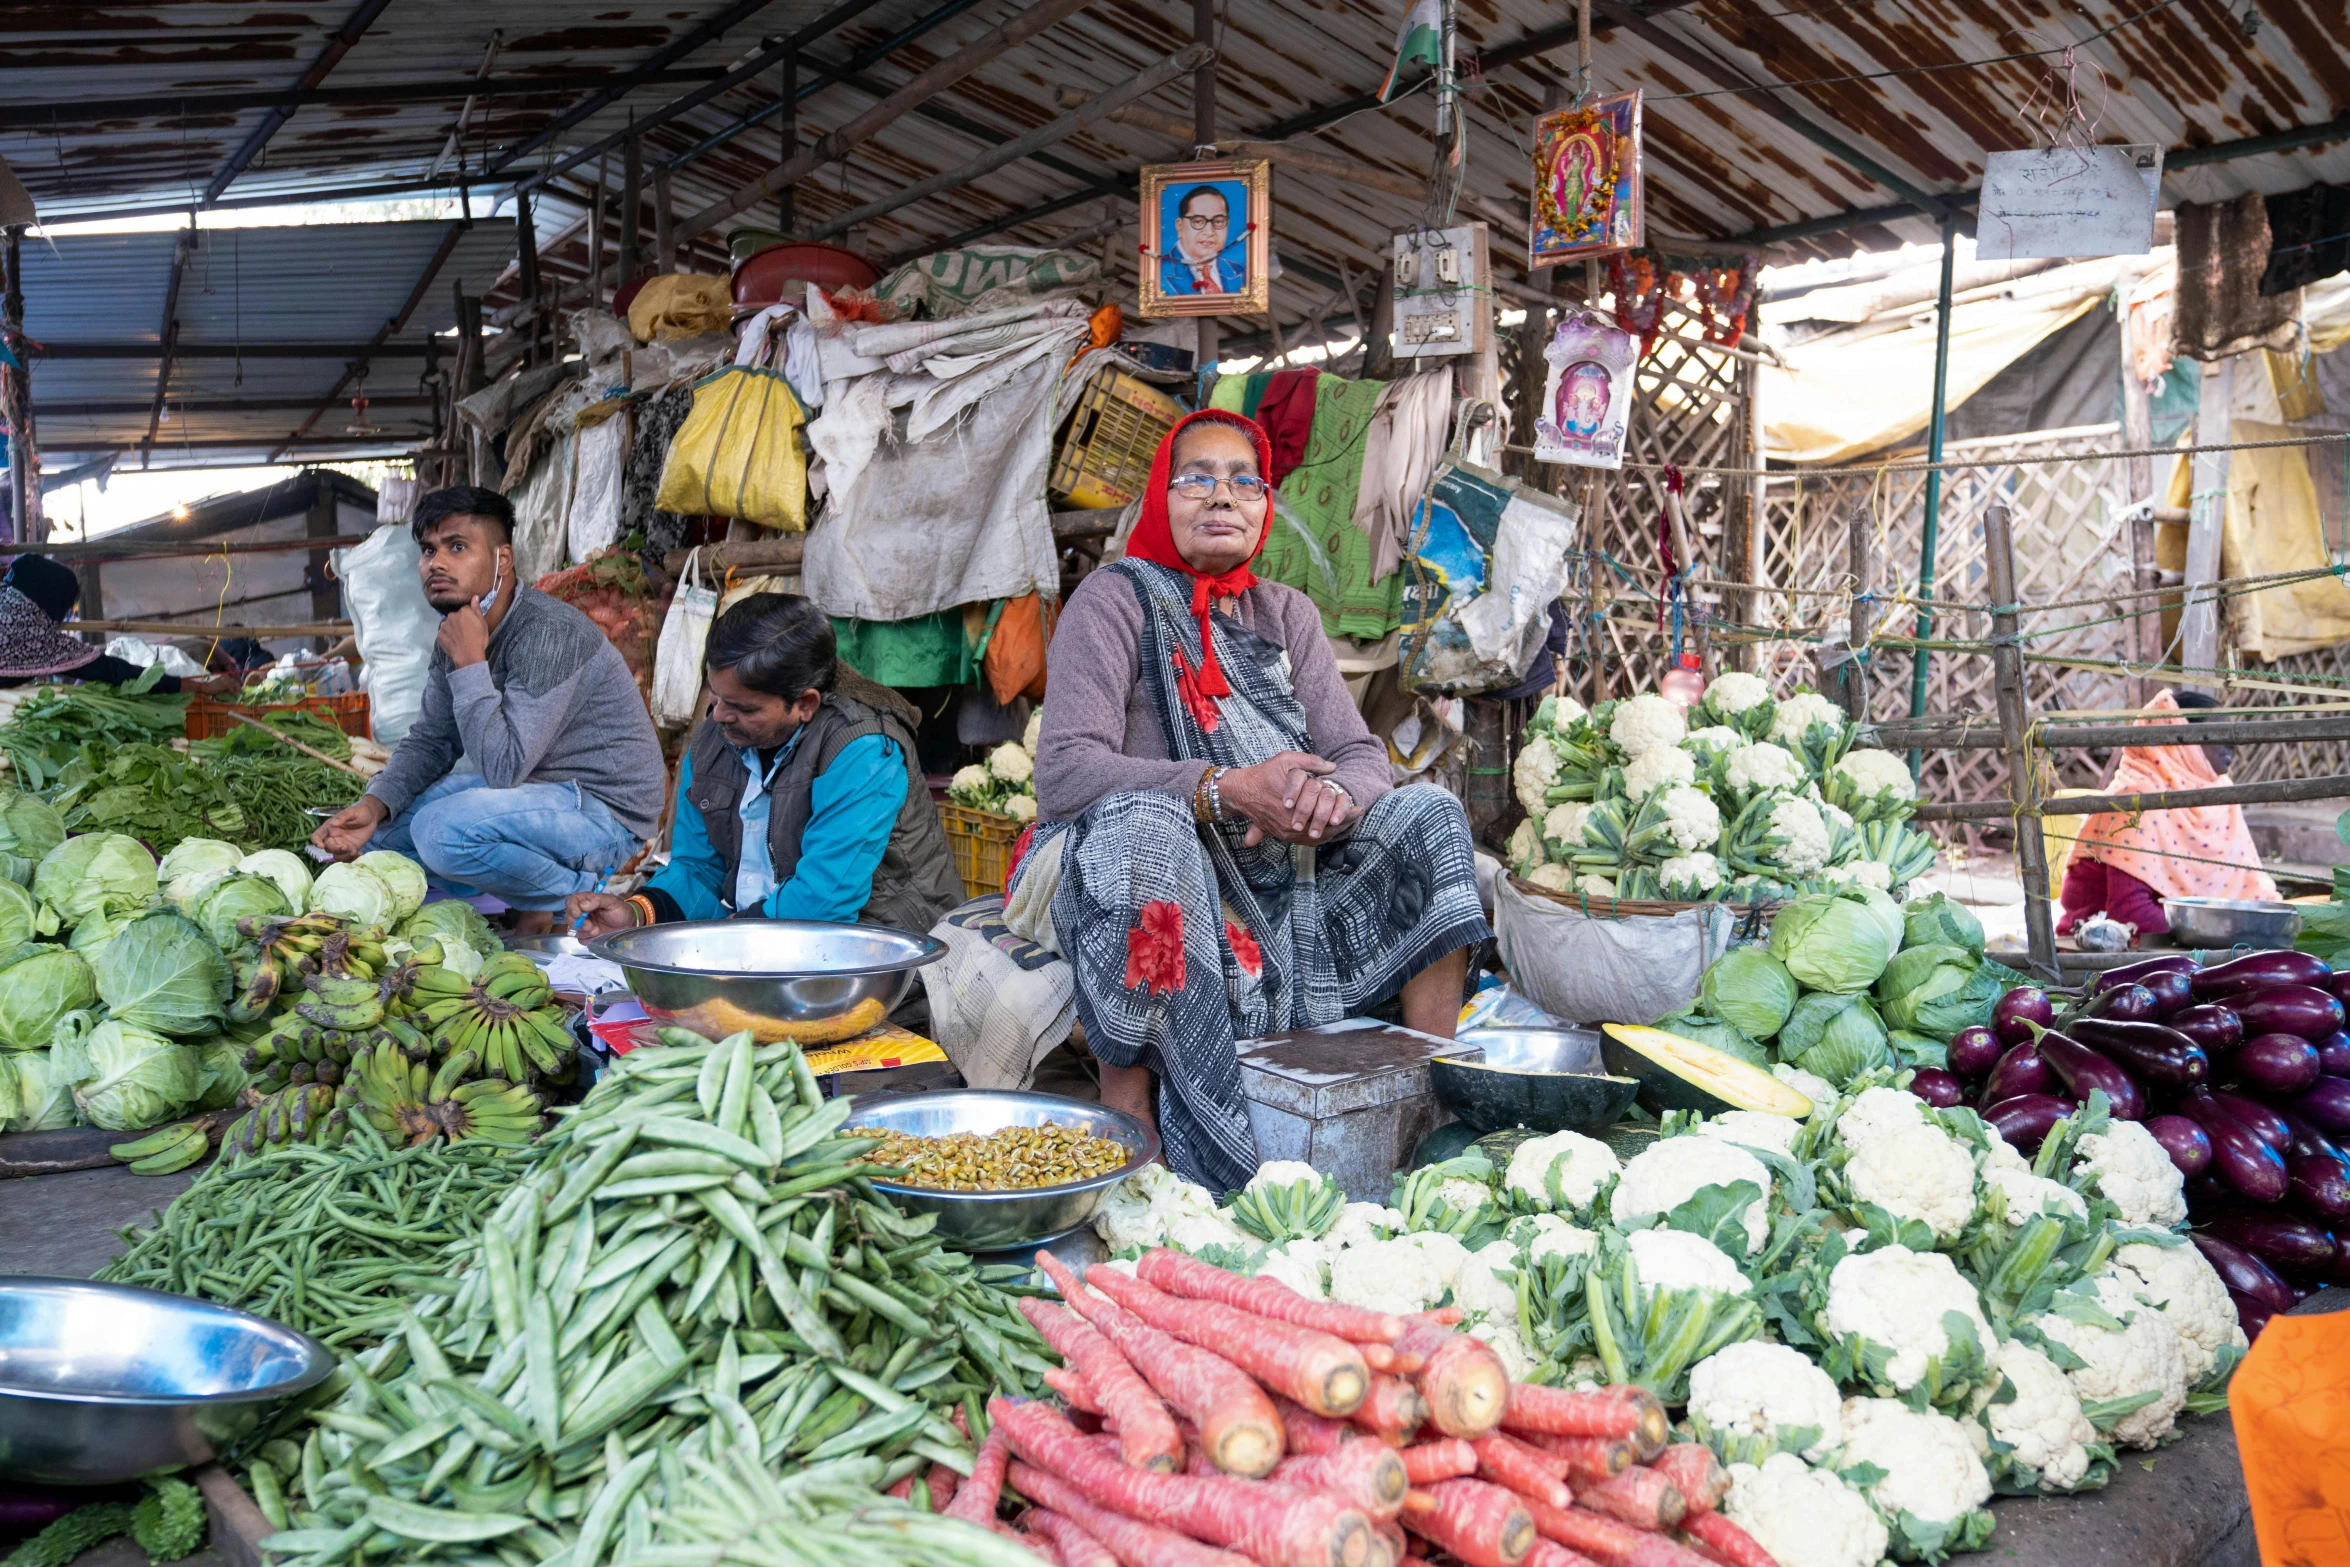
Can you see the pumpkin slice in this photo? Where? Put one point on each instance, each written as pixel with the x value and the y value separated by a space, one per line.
pixel 1681 1074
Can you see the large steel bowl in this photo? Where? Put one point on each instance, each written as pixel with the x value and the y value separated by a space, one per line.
pixel 2220 923
pixel 805 980
pixel 103 1382
pixel 999 1221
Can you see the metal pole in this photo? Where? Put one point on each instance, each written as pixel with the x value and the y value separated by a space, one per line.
pixel 664 209
pixel 1203 134
pixel 526 237
pixel 20 447
pixel 788 126
pixel 632 198
pixel 2023 791
pixel 1933 527
pixel 1860 555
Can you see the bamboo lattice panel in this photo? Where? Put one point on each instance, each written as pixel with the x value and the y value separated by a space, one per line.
pixel 2327 667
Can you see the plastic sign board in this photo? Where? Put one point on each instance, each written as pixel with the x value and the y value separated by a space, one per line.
pixel 2068 201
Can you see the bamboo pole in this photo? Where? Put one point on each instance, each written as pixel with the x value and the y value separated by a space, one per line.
pixel 171 628
pixel 1970 736
pixel 2275 792
pixel 2023 789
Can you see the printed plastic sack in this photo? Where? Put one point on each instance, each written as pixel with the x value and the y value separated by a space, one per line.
pixel 1587 969
pixel 677 662
pixel 1482 564
pixel 739 453
pixel 392 623
pixel 677 304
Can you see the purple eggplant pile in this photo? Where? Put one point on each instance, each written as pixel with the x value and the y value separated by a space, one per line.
pixel 2241 1071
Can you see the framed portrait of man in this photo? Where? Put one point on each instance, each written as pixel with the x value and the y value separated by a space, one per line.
pixel 1207 239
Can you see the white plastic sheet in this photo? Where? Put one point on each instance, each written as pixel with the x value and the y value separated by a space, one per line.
pixel 392 624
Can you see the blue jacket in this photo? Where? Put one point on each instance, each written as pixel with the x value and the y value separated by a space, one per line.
pixel 853 805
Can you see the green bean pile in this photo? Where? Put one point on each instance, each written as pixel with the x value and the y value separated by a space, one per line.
pixel 695 1275
pixel 334 1241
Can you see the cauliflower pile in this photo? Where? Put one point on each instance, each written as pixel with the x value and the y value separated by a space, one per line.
pixel 1662 768
pixel 1644 723
pixel 1870 785
pixel 1760 766
pixel 1660 1179
pixel 1006 782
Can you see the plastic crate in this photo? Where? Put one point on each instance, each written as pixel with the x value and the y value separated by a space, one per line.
pixel 982 845
pixel 1105 460
pixel 208 718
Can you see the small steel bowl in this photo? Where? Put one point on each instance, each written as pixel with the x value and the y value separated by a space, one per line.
pixel 101 1383
pixel 2220 923
pixel 806 980
pixel 999 1221
pixel 1545 1079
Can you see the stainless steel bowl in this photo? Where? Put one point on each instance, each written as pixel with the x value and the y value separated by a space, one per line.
pixel 807 980
pixel 2231 922
pixel 1546 1079
pixel 103 1382
pixel 998 1221
pixel 542 949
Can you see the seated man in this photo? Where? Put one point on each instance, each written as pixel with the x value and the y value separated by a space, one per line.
pixel 532 770
pixel 801 798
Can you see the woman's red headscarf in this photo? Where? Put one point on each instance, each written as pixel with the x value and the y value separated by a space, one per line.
pixel 1153 540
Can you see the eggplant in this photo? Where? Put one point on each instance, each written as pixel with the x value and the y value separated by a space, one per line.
pixel 2277 1064
pixel 2020 1071
pixel 2149 1051
pixel 2286 1244
pixel 2250 1167
pixel 2290 1009
pixel 2261 1121
pixel 2258 971
pixel 2085 1071
pixel 2133 972
pixel 2172 990
pixel 2320 1184
pixel 2217 1029
pixel 2026 1119
pixel 2122 1003
pixel 2188 1145
pixel 2017 1016
pixel 2251 1315
pixel 2339 984
pixel 1975 1051
pixel 1937 1088
pixel 2243 1273
pixel 2333 1055
pixel 2327 1106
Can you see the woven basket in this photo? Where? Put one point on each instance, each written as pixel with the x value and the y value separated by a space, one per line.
pixel 1753 918
pixel 982 845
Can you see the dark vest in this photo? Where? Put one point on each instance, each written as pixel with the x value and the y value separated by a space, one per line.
pixel 914 885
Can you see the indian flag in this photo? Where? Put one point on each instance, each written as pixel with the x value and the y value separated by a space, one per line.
pixel 1419 41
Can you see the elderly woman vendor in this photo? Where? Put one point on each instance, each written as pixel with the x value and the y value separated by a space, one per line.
pixel 1225 854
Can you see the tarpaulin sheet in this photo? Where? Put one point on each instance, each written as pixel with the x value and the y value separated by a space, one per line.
pixel 2273 527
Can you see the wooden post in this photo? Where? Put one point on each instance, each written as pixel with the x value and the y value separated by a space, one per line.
pixel 22 490
pixel 2207 518
pixel 632 197
pixel 526 237
pixel 1203 134
pixel 1745 538
pixel 1379 352
pixel 2023 787
pixel 664 241
pixel 2145 639
pixel 787 125
pixel 1860 560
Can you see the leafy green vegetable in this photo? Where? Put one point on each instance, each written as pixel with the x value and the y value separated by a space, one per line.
pixel 1936 921
pixel 224 1071
pixel 234 897
pixel 356 893
pixel 1830 943
pixel 1717 1033
pixel 126 1079
pixel 1936 990
pixel 451 918
pixel 37 990
pixel 19 916
pixel 1880 905
pixel 284 868
pixel 44 1099
pixel 1750 990
pixel 402 875
pixel 29 828
pixel 163 973
pixel 1834 1036
pixel 191 868
pixel 151 792
pixel 96 870
pixel 50 727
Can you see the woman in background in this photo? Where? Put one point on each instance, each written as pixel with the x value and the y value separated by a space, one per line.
pixel 35 595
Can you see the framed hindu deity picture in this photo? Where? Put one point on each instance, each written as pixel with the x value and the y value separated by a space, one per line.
pixel 1587 393
pixel 1587 181
pixel 1207 238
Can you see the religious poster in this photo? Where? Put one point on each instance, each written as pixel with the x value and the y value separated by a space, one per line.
pixel 1207 238
pixel 1587 394
pixel 1587 181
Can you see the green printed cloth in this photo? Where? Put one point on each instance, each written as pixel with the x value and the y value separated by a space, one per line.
pixel 1315 546
pixel 929 650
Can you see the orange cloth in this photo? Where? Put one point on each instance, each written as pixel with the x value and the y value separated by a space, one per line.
pixel 2173 851
pixel 2290 1402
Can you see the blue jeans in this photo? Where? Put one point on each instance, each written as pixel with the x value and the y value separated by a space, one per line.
pixel 531 846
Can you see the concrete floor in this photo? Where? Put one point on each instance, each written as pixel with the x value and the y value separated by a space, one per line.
pixel 62 1226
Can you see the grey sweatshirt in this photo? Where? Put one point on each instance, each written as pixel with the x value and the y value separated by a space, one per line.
pixel 553 703
pixel 1101 735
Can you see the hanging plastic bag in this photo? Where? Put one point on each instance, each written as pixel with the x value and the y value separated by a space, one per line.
pixel 739 453
pixel 1484 559
pixel 393 625
pixel 1015 658
pixel 677 662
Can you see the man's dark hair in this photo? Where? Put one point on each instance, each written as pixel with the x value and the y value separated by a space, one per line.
pixel 464 500
pixel 1183 207
pixel 779 643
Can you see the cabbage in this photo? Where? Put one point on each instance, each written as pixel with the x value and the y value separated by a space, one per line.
pixel 1937 990
pixel 284 868
pixel 29 828
pixel 452 919
pixel 192 867
pixel 126 1079
pixel 37 990
pixel 96 870
pixel 44 1099
pixel 1881 905
pixel 1936 921
pixel 1716 1034
pixel 1916 1050
pixel 8 1088
pixel 1837 1037
pixel 1830 943
pixel 355 893
pixel 233 898
pixel 18 916
pixel 1750 990
pixel 97 928
pixel 224 1071
pixel 162 973
pixel 402 875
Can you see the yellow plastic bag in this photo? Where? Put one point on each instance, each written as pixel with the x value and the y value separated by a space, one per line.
pixel 678 304
pixel 738 453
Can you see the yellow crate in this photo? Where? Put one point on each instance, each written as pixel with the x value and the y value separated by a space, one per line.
pixel 1106 458
pixel 982 845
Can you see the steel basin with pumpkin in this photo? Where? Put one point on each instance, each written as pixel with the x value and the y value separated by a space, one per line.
pixel 805 980
pixel 1542 1078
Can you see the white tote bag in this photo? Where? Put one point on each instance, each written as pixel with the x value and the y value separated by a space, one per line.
pixel 677 662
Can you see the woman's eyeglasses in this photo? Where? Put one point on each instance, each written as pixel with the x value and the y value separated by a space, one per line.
pixel 1202 486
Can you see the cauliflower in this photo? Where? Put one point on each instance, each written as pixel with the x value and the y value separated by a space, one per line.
pixel 1678 1260
pixel 1799 712
pixel 1805 852
pixel 1933 1485
pixel 2047 1436
pixel 1195 1232
pixel 2028 1195
pixel 1754 1128
pixel 1298 1265
pixel 1661 1178
pixel 1644 723
pixel 1690 875
pixel 1463 1195
pixel 1593 886
pixel 2180 1282
pixel 1734 691
pixel 1444 1252
pixel 1754 1399
pixel 1536 769
pixel 1877 1111
pixel 1393 1275
pixel 1762 765
pixel 1714 737
pixel 1998 1155
pixel 1692 820
pixel 1872 873
pixel 1282 1172
pixel 1526 851
pixel 1650 771
pixel 1359 1224
pixel 970 783
pixel 1560 878
pixel 1562 825
pixel 1804 1517
pixel 1547 1235
pixel 1890 1303
pixel 1010 763
pixel 1032 731
pixel 2126 1166
pixel 1872 775
pixel 1923 1174
pixel 1137 1210
pixel 2143 1355
pixel 1564 1170
pixel 1492 1306
pixel 1809 1084
pixel 1021 807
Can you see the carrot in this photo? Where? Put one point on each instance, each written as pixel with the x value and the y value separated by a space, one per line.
pixel 1655 1428
pixel 1692 1467
pixel 1321 1371
pixel 1042 1548
pixel 1608 1542
pixel 1075 1391
pixel 1523 1469
pixel 1235 1418
pixel 1549 1553
pixel 902 1490
pixel 976 1498
pixel 1447 1459
pixel 942 1482
pixel 1379 1357
pixel 1443 1316
pixel 1146 1432
pixel 1699 1549
pixel 1076 1547
pixel 1460 1377
pixel 1271 1524
pixel 1729 1541
pixel 1368 1474
pixel 1588 1459
pixel 1393 1407
pixel 1177 1274
pixel 1561 1413
pixel 1307 1434
pixel 1641 1497
pixel 1391 1535
pixel 1483 1525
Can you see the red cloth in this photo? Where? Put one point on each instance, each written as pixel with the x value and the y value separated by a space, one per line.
pixel 2092 887
pixel 1153 540
pixel 1287 413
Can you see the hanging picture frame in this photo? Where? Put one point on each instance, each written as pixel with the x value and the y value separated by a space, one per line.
pixel 1207 238
pixel 1587 393
pixel 1587 182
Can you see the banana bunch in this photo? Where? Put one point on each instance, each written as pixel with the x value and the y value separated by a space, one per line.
pixel 166 1149
pixel 300 1050
pixel 407 1100
pixel 301 1113
pixel 505 1018
pixel 277 952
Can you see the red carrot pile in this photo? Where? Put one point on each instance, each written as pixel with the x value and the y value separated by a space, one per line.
pixel 1243 1423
